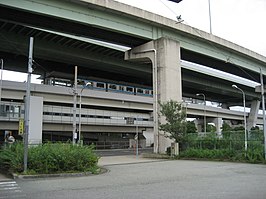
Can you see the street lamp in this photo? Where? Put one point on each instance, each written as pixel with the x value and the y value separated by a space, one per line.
pixel 263 109
pixel 204 98
pixel 245 121
pixel 87 84
pixel 210 19
pixel 1 79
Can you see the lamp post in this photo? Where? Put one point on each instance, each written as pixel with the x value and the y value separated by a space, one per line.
pixel 204 99
pixel 87 84
pixel 137 137
pixel 210 19
pixel 1 80
pixel 27 106
pixel 263 109
pixel 245 121
pixel 74 134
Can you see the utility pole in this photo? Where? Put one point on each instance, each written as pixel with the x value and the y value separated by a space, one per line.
pixel 245 119
pixel 1 80
pixel 75 93
pixel 27 106
pixel 80 104
pixel 263 109
pixel 137 138
pixel 210 18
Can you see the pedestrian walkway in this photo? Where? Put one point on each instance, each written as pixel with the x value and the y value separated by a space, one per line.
pixel 9 188
pixel 4 178
pixel 129 159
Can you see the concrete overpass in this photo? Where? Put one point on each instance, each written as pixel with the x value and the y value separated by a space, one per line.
pixel 101 111
pixel 64 43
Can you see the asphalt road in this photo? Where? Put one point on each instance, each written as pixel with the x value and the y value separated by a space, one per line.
pixel 119 152
pixel 166 179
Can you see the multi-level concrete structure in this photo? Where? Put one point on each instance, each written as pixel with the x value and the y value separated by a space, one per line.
pixel 145 52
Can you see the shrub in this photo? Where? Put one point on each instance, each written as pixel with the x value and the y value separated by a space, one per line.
pixel 50 158
pixel 251 156
pixel 11 157
pixel 208 154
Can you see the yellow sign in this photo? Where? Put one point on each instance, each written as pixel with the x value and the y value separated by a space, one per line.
pixel 21 127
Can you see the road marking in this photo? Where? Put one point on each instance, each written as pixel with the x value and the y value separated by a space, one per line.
pixel 7 182
pixel 10 189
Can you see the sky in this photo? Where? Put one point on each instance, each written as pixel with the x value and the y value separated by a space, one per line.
pixel 238 21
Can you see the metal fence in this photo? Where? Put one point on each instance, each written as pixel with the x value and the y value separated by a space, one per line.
pixel 233 140
pixel 109 144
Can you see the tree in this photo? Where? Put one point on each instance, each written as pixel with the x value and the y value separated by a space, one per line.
pixel 175 120
pixel 191 128
pixel 211 128
pixel 226 127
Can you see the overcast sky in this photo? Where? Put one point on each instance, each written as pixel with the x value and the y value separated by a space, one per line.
pixel 239 21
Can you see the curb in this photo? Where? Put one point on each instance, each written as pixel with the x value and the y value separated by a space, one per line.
pixel 141 162
pixel 58 175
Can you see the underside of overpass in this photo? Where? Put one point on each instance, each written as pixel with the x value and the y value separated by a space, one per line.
pixel 56 54
pixel 62 43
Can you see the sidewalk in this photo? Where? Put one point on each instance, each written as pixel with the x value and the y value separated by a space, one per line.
pixel 109 161
pixel 129 159
pixel 4 178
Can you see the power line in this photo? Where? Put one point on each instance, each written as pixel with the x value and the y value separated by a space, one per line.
pixel 227 57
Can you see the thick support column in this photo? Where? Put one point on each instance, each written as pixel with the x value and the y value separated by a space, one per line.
pixel 218 124
pixel 199 123
pixel 165 57
pixel 253 115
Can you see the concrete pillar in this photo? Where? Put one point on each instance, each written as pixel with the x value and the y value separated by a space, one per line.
pixel 164 55
pixel 218 124
pixel 199 123
pixel 253 115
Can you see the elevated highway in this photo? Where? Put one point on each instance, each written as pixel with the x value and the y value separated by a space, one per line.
pixel 72 40
pixel 96 36
pixel 111 107
pixel 125 25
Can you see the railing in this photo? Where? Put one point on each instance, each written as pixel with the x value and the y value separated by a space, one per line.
pixel 109 144
pixel 11 111
pixel 60 114
pixel 227 140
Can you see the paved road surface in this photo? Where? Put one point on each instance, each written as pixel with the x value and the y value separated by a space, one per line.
pixel 119 152
pixel 166 179
pixel 9 188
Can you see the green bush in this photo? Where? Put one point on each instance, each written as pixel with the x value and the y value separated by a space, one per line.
pixel 251 156
pixel 255 153
pixel 229 146
pixel 11 157
pixel 50 158
pixel 224 154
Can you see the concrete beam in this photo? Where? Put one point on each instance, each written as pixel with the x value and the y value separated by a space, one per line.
pixel 55 52
pixel 106 15
pixel 258 89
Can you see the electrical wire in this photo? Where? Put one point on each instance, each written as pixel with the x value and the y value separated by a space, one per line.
pixel 227 57
pixel 168 7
